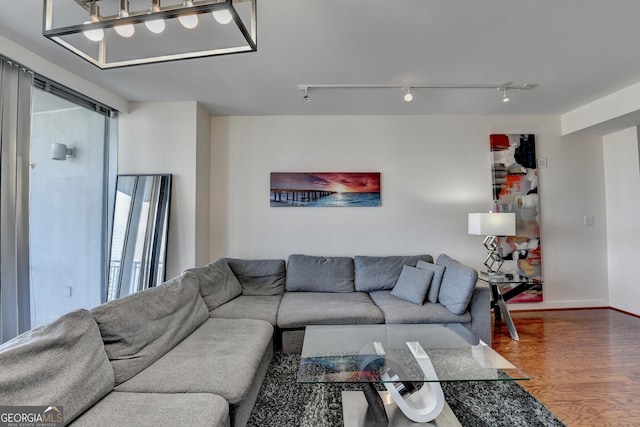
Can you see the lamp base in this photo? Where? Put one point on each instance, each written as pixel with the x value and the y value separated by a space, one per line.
pixel 493 261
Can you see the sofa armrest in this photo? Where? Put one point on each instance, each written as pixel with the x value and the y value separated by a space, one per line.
pixel 480 309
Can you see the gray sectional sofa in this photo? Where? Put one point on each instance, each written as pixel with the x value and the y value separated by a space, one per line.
pixel 194 351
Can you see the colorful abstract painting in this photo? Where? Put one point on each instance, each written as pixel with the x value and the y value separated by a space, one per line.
pixel 515 189
pixel 325 189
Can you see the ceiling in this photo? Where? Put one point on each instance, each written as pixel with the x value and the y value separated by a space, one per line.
pixel 576 51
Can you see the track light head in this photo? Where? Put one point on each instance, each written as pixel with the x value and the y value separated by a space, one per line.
pixel 505 96
pixel 306 95
pixel 408 97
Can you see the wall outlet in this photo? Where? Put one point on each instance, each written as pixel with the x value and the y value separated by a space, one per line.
pixel 542 162
pixel 588 220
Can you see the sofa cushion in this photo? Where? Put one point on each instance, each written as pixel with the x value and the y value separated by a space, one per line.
pixel 438 272
pixel 120 409
pixel 221 357
pixel 377 273
pixel 218 284
pixel 457 284
pixel 62 363
pixel 250 307
pixel 299 309
pixel 319 274
pixel 412 285
pixel 138 329
pixel 397 310
pixel 259 276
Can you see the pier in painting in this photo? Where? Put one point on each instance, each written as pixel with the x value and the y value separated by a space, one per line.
pixel 292 196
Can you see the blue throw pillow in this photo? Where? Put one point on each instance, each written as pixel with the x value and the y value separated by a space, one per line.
pixel 413 284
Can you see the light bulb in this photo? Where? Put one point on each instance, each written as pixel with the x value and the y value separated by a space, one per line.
pixel 94 35
pixel 505 96
pixel 223 16
pixel 189 21
pixel 155 26
pixel 124 30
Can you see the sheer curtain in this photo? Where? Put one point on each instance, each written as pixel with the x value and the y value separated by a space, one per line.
pixel 15 117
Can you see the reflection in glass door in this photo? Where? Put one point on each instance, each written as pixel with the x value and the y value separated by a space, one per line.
pixel 67 209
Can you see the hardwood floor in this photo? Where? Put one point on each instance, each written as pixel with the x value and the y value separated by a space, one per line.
pixel 584 364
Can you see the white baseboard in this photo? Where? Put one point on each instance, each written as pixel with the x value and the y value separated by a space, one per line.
pixel 625 307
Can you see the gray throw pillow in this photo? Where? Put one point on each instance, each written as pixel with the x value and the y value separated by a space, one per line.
pixel 457 285
pixel 412 285
pixel 438 272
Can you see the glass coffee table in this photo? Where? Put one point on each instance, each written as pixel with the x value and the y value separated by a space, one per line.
pixel 410 360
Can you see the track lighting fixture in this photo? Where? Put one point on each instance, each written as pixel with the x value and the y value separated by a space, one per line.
pixel 218 27
pixel 306 95
pixel 408 96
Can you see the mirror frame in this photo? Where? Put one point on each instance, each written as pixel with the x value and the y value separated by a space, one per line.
pixel 140 231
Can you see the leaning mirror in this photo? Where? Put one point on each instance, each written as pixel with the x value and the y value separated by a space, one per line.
pixel 139 237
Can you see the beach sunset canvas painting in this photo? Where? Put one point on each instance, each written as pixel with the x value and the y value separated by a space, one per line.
pixel 325 189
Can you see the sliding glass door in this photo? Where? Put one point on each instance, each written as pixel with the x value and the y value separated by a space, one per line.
pixel 54 180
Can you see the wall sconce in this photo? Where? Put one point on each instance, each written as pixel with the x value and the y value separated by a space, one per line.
pixel 61 152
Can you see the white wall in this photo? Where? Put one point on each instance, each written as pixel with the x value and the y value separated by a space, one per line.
pixel 160 138
pixel 622 177
pixel 435 169
pixel 203 189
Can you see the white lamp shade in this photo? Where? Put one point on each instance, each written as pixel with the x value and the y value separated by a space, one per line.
pixel 492 224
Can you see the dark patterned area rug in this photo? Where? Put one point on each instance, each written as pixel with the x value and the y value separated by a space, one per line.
pixel 284 403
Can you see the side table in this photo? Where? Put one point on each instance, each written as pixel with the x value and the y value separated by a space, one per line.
pixel 518 284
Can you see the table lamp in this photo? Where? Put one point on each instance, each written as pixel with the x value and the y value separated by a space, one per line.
pixel 493 225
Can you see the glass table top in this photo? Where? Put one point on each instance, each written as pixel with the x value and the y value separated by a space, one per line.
pixel 363 353
pixel 506 278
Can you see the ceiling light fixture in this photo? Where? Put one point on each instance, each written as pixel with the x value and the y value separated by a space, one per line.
pixel 103 44
pixel 306 95
pixel 408 97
